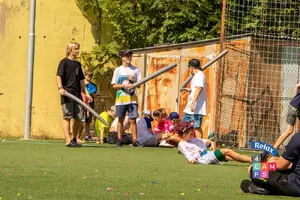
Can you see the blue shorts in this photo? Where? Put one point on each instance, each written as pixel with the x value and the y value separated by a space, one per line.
pixel 131 109
pixel 197 118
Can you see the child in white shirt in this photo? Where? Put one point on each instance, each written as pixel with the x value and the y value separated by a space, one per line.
pixel 194 149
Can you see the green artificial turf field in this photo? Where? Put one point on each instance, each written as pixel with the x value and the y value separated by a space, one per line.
pixel 49 170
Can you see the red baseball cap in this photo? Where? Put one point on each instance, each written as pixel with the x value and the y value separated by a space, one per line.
pixel 182 126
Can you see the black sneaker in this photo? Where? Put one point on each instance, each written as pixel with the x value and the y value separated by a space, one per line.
pixel 71 145
pixel 88 138
pixel 74 142
pixel 245 185
pixel 136 144
pixel 258 190
pixel 248 186
pixel 119 143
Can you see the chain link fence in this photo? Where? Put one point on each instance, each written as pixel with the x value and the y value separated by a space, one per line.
pixel 259 73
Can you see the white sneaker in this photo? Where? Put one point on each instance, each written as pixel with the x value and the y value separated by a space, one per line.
pixel 165 144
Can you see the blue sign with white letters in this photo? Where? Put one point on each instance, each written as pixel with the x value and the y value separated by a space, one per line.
pixel 265 147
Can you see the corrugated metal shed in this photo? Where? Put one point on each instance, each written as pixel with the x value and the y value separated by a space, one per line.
pixel 163 91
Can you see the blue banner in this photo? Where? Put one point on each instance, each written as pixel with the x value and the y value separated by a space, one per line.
pixel 265 147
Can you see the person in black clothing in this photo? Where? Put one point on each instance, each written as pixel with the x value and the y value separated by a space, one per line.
pixel 70 79
pixel 293 114
pixel 285 180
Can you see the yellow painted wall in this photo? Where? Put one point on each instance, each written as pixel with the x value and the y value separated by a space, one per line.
pixel 57 23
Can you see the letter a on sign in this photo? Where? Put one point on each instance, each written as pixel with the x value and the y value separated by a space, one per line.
pixel 264 166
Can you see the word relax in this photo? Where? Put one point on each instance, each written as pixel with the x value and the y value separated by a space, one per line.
pixel 262 146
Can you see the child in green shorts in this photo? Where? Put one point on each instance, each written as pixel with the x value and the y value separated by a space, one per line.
pixel 194 149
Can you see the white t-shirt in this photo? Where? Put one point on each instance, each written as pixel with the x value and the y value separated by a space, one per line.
pixel 142 131
pixel 200 105
pixel 121 77
pixel 200 143
pixel 114 124
pixel 191 149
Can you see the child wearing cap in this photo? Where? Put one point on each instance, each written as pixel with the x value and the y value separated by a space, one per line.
pixel 148 118
pixel 194 149
pixel 100 128
pixel 123 78
pixel 174 118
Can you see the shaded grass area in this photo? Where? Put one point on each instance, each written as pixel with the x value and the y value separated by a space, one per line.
pixel 49 170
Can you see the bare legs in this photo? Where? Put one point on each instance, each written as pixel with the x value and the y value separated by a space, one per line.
pixel 66 129
pixel 235 156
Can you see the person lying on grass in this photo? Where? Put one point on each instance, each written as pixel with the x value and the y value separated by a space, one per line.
pixel 285 180
pixel 194 149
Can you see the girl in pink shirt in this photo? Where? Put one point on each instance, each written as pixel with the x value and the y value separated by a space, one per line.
pixel 164 127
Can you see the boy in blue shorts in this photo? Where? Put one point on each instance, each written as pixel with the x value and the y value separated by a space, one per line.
pixel 196 106
pixel 124 76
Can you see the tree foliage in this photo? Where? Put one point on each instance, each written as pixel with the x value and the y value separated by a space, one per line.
pixel 98 60
pixel 143 23
pixel 272 17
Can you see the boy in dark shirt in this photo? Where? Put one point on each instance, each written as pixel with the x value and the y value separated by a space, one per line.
pixel 285 180
pixel 70 79
pixel 293 114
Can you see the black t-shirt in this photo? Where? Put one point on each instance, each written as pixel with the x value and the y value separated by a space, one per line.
pixel 71 73
pixel 296 101
pixel 292 154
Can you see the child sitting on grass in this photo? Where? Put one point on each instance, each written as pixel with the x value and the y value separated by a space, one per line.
pixel 194 149
pixel 174 118
pixel 164 126
pixel 100 128
pixel 145 134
